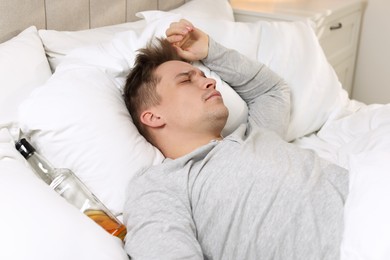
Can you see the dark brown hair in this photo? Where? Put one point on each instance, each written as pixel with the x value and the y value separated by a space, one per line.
pixel 140 89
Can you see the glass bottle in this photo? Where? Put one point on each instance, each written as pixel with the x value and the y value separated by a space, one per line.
pixel 70 187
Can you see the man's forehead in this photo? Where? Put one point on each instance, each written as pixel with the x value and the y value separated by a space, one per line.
pixel 174 68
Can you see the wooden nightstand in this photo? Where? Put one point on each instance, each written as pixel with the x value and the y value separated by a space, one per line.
pixel 337 25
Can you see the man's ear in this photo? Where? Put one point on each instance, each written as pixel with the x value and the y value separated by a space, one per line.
pixel 151 119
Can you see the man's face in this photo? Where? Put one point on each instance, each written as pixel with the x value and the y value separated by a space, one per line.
pixel 189 100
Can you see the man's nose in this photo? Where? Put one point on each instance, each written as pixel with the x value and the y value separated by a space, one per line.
pixel 209 83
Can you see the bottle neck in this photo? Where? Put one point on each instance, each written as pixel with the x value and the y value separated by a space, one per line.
pixel 41 167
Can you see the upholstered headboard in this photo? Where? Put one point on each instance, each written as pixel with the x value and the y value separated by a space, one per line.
pixel 70 15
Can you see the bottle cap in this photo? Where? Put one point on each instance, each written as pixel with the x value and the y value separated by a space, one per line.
pixel 25 148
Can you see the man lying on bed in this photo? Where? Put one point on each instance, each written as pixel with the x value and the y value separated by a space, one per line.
pixel 249 195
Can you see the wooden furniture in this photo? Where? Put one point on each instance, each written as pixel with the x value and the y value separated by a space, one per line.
pixel 337 25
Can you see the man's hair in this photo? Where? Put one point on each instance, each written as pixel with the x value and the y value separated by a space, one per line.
pixel 140 90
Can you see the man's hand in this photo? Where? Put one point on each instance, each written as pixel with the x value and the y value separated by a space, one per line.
pixel 191 43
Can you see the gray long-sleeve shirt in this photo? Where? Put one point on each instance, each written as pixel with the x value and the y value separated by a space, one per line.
pixel 249 196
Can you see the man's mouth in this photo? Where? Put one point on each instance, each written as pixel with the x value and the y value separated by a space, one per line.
pixel 212 94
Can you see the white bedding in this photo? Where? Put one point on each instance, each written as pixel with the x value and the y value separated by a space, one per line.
pixel 358 138
pixel 57 118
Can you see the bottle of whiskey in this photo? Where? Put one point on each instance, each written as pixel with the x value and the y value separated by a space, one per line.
pixel 70 187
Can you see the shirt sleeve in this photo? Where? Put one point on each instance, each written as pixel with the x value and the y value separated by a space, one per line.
pixel 266 93
pixel 159 222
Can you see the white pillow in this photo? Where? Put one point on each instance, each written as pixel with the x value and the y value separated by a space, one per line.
pixel 292 50
pixel 216 9
pixel 23 67
pixel 36 223
pixel 59 43
pixel 78 120
pixel 226 32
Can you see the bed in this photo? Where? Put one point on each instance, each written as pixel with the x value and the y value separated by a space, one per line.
pixel 63 65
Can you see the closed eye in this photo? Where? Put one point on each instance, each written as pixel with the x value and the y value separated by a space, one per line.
pixel 186 80
pixel 186 77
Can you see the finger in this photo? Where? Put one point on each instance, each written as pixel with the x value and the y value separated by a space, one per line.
pixel 185 54
pixel 182 27
pixel 182 53
pixel 175 38
pixel 186 23
pixel 185 42
pixel 182 23
pixel 177 30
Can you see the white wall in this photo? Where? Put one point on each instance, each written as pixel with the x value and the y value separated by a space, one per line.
pixel 372 73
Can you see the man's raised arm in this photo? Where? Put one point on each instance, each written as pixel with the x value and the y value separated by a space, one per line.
pixel 266 93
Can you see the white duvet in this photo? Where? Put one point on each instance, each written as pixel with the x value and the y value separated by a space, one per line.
pixel 358 138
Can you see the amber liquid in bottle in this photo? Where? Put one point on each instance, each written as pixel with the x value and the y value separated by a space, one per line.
pixel 74 191
pixel 106 222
